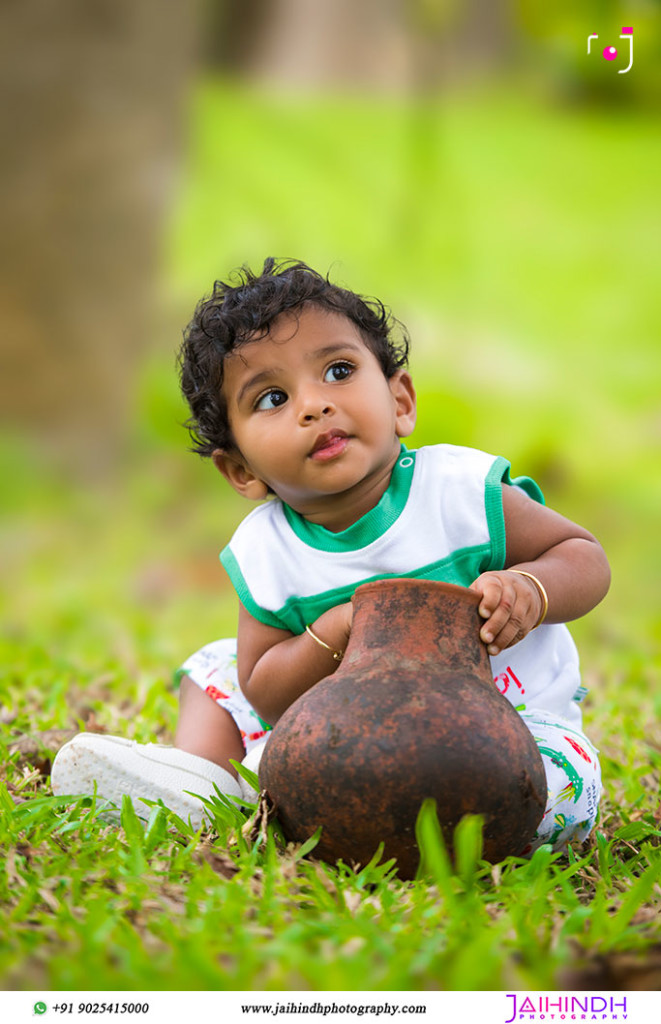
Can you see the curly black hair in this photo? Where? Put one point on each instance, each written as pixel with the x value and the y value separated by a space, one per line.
pixel 234 315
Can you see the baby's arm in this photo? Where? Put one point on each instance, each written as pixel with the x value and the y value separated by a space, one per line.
pixel 567 560
pixel 275 666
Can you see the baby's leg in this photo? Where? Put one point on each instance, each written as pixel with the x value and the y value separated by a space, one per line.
pixel 215 719
pixel 216 725
pixel 207 729
pixel 573 777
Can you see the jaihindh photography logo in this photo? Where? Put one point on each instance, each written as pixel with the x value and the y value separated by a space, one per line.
pixel 522 1007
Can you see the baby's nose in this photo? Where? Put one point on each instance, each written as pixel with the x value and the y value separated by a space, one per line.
pixel 313 406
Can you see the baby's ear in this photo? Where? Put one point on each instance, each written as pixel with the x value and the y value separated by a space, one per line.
pixel 403 392
pixel 239 476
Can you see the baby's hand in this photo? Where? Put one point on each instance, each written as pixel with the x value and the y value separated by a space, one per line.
pixel 511 605
pixel 334 626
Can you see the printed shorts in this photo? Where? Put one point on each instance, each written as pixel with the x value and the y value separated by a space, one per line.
pixel 573 774
pixel 213 668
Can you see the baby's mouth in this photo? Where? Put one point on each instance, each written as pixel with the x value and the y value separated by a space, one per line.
pixel 329 445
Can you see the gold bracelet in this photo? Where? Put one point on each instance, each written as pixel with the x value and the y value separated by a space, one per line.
pixel 542 593
pixel 337 655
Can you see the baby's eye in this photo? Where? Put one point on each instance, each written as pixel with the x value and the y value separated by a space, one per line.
pixel 338 371
pixel 271 399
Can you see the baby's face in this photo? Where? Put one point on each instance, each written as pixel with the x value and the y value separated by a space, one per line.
pixel 311 411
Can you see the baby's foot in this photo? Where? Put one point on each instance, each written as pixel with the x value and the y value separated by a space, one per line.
pixel 142 770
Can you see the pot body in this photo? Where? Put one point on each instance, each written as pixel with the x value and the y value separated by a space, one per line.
pixel 412 712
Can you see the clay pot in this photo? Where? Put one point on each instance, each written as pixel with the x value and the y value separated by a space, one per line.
pixel 412 712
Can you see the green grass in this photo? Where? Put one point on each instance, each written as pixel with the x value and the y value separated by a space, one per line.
pixel 92 906
pixel 526 281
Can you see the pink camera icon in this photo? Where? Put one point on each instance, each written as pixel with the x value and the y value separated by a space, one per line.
pixel 610 52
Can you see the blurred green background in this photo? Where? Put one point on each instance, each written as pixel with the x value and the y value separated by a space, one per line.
pixel 469 164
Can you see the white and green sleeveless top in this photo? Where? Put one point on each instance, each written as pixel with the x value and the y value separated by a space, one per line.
pixel 441 518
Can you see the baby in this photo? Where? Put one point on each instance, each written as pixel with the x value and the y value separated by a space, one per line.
pixel 300 395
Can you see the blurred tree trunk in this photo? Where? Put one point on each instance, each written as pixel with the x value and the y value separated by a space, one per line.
pixel 485 36
pixel 449 41
pixel 91 122
pixel 319 43
pixel 378 44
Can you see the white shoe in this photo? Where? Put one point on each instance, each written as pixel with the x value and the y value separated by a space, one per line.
pixel 119 766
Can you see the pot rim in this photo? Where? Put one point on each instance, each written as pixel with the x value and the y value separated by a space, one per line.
pixel 403 582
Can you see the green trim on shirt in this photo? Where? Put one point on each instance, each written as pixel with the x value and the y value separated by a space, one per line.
pixel 369 527
pixel 498 475
pixel 460 567
pixel 527 484
pixel 493 507
pixel 233 570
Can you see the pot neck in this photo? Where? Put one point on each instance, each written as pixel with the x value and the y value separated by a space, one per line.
pixel 417 622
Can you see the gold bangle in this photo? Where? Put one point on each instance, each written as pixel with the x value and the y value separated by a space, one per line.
pixel 337 655
pixel 542 593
